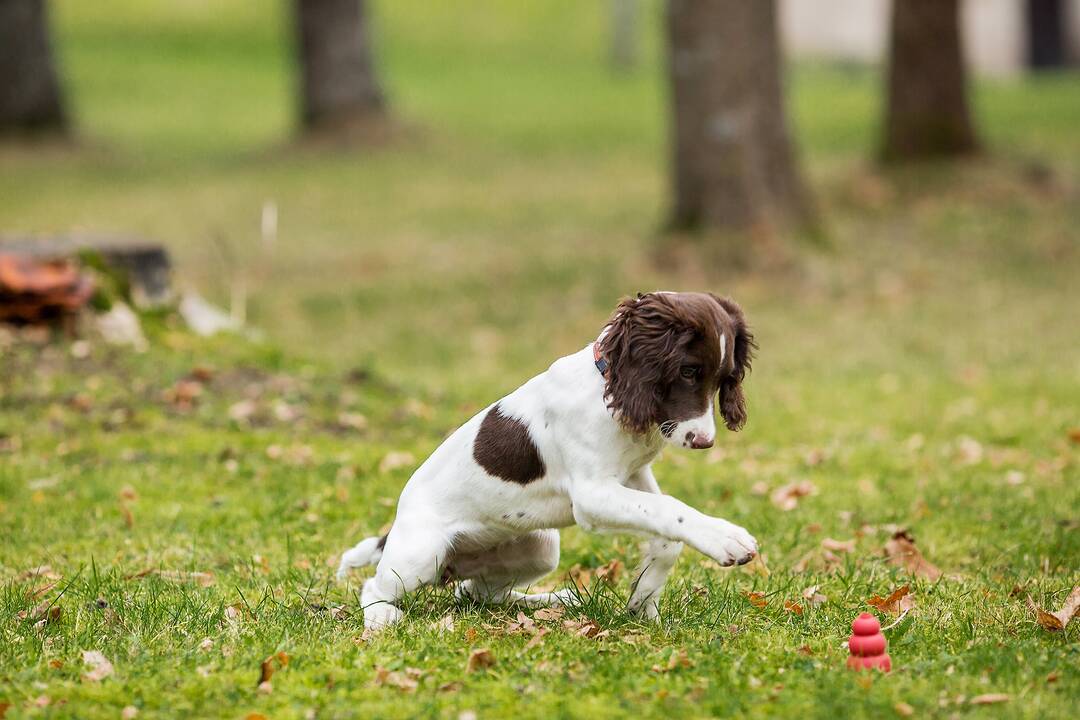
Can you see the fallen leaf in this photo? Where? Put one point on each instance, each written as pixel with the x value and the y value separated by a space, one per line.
pixel 549 613
pixel 523 623
pixel 989 699
pixel 408 681
pixel 125 512
pixel 678 659
pixel 756 566
pixel 99 666
pixel 56 664
pixel 793 607
pixel 811 593
pixel 610 572
pixel 786 497
pixel 805 650
pixel 582 577
pixel 270 665
pixel 844 546
pixel 41 571
pixel 255 716
pixel 479 659
pixel 395 460
pixel 903 709
pixel 445 624
pixel 42 613
pixel 1056 621
pixel 452 686
pixel 897 602
pixel 901 551
pixel 1074 434
pixel 537 638
pixel 586 628
pixel 757 599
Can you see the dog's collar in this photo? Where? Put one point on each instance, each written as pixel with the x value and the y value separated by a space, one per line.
pixel 600 363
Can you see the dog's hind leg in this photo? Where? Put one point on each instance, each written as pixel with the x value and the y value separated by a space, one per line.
pixel 414 555
pixel 491 575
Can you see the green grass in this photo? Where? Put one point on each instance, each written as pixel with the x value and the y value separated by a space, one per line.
pixel 523 200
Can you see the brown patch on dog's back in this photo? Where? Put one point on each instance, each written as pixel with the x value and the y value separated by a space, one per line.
pixel 504 448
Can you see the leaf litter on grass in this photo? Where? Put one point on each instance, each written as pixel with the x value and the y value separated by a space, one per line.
pixel 1056 621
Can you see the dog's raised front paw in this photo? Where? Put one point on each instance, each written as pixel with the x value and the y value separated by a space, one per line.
pixel 727 544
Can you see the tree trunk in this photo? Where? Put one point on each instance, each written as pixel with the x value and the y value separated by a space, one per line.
pixel 1046 34
pixel 927 114
pixel 339 87
pixel 624 35
pixel 734 167
pixel 30 98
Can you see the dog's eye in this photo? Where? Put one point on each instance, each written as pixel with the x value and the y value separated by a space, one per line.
pixel 690 372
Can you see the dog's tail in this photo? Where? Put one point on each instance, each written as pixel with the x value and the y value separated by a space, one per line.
pixel 367 552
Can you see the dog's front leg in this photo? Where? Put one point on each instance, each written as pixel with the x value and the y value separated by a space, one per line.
pixel 607 505
pixel 657 562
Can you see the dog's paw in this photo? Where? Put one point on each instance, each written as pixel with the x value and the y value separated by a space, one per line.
pixel 727 544
pixel 646 610
pixel 381 615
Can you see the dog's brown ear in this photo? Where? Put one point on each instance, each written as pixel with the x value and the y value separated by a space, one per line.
pixel 641 346
pixel 732 400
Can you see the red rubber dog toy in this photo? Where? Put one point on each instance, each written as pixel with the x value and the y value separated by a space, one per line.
pixel 867 645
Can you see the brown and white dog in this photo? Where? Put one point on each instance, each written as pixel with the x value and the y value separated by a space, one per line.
pixel 573 445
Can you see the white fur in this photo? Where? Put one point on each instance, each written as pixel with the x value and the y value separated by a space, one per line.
pixel 500 535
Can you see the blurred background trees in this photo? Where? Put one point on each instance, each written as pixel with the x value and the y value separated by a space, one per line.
pixel 734 166
pixel 928 113
pixel 339 88
pixel 31 100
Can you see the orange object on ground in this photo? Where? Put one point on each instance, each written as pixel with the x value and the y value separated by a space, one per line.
pixel 34 290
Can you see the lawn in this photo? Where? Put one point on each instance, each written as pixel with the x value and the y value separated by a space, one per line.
pixel 920 369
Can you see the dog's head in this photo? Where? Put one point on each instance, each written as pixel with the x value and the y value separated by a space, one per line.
pixel 668 355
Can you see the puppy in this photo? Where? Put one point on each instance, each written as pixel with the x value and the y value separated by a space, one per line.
pixel 573 445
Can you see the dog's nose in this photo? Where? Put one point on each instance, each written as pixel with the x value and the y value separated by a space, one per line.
pixel 699 442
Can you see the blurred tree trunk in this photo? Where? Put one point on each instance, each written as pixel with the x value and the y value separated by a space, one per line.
pixel 624 34
pixel 927 114
pixel 734 166
pixel 30 99
pixel 1046 34
pixel 339 87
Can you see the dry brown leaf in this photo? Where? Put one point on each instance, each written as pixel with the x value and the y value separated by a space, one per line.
pixel 125 512
pixel 41 571
pixel 786 497
pixel 1074 434
pixel 793 607
pixel 452 686
pixel 805 650
pixel 989 698
pixel 407 681
pixel 610 572
pixel 901 551
pixel 1056 621
pixel 479 659
pixel 99 666
pixel 255 716
pixel 897 602
pixel 549 613
pixel 445 624
pixel 756 566
pixel 582 577
pixel 395 460
pixel 678 659
pixel 757 599
pixel 537 638
pixel 844 546
pixel 271 664
pixel 813 596
pixel 4 707
pixel 903 709
pixel 42 613
pixel 523 623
